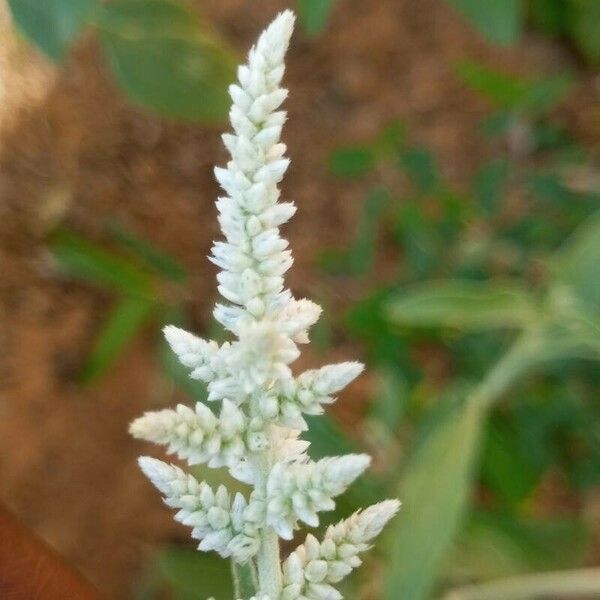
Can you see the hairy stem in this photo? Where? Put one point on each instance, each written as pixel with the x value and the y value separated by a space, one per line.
pixel 269 565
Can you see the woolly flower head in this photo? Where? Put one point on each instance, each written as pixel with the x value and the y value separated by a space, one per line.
pixel 259 403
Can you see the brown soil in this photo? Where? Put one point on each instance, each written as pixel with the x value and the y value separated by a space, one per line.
pixel 73 151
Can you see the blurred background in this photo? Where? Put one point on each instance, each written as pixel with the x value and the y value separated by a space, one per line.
pixel 445 166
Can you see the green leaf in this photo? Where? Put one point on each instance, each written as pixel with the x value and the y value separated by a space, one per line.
pixel 584 26
pixel 500 21
pixel 421 167
pixel 118 329
pixel 462 304
pixel 535 97
pixel 575 265
pixel 158 261
pixel 352 161
pixel 550 16
pixel 498 545
pixel 166 59
pixel 434 489
pixel 359 258
pixel 314 15
pixel 52 25
pixel 194 575
pixel 418 238
pixel 245 579
pixel 82 259
pixel 506 469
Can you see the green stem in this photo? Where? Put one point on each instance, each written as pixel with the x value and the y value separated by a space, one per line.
pixel 514 363
pixel 582 583
pixel 268 563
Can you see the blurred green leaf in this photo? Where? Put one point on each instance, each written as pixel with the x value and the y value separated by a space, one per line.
pixel 462 304
pixel 158 261
pixel 245 579
pixel 359 258
pixel 434 489
pixel 550 16
pixel 418 239
pixel 118 329
pixel 391 138
pixel 421 167
pixel 505 469
pixel 166 59
pixel 489 186
pixel 495 544
pixel 85 260
pixel 509 92
pixel 584 25
pixel 194 575
pixel 390 402
pixel 352 161
pixel 500 21
pixel 576 264
pixel 52 25
pixel 314 14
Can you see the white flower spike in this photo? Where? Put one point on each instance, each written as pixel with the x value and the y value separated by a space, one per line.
pixel 254 429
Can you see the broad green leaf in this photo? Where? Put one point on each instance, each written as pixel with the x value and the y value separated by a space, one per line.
pixel 506 469
pixel 52 25
pixel 166 59
pixel 118 329
pixel 462 304
pixel 560 584
pixel 576 264
pixel 85 260
pixel 496 544
pixel 434 489
pixel 245 579
pixel 194 575
pixel 158 261
pixel 352 161
pixel 314 14
pixel 500 21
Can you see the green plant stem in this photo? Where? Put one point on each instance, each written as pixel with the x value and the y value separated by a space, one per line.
pixel 514 363
pixel 268 563
pixel 583 583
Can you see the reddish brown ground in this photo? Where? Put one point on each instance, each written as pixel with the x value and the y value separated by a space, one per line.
pixel 82 155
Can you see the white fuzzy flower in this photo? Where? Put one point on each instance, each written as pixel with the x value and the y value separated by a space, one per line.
pixel 254 432
pixel 313 389
pixel 220 524
pixel 313 567
pixel 197 436
pixel 301 490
